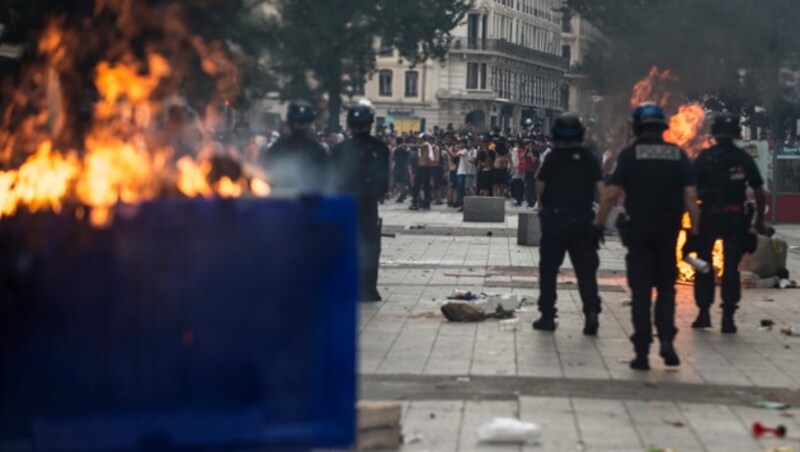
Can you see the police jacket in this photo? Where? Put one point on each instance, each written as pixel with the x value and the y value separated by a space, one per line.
pixel 723 173
pixel 653 174
pixel 361 168
pixel 571 176
pixel 297 163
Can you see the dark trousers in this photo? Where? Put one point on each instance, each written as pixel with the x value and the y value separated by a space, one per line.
pixel 517 189
pixel 651 262
pixel 561 235
pixel 461 188
pixel 729 227
pixel 422 181
pixel 530 188
pixel 369 233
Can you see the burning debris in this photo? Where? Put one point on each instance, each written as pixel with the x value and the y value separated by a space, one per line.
pixel 126 145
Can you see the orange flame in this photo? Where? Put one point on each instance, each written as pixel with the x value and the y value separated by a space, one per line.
pixel 124 157
pixel 685 126
pixel 687 273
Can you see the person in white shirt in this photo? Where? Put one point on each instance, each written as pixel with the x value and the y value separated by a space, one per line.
pixel 465 173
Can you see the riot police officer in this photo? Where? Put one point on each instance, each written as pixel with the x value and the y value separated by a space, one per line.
pixel 567 184
pixel 361 167
pixel 657 180
pixel 297 162
pixel 723 174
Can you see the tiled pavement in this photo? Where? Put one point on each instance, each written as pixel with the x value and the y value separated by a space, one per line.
pixel 405 338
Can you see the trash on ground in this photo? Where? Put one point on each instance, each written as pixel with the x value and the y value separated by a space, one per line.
pixel 426 315
pixel 771 405
pixel 769 300
pixel 626 303
pixel 790 330
pixel 463 379
pixel 460 294
pixel 464 312
pixel 677 423
pixel 509 431
pixel 509 325
pixel 489 234
pixel 759 430
pixel 413 438
pixel 767 322
pixel 503 306
pixel 782 449
pixel 413 227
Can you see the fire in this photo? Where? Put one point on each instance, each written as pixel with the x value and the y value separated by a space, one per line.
pixel 686 273
pixel 685 126
pixel 125 150
pixel 686 131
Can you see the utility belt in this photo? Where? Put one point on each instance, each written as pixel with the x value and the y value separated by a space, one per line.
pixel 726 209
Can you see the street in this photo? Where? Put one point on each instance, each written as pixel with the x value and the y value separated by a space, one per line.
pixel 453 377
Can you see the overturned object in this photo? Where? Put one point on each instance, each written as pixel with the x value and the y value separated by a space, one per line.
pixel 509 431
pixel 769 258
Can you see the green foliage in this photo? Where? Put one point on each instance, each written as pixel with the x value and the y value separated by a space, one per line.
pixel 322 46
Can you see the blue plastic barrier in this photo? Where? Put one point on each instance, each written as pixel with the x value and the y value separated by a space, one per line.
pixel 187 324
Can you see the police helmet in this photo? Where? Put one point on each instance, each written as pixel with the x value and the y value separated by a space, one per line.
pixel 301 112
pixel 649 114
pixel 568 129
pixel 360 116
pixel 726 126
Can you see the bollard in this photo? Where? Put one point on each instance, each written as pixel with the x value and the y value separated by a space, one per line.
pixel 481 209
pixel 529 229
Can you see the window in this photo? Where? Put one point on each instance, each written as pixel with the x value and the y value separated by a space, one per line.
pixel 412 83
pixel 358 85
pixel 385 83
pixel 472 75
pixel 566 52
pixel 472 31
pixel 483 76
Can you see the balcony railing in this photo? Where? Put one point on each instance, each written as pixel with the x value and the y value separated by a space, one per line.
pixel 503 47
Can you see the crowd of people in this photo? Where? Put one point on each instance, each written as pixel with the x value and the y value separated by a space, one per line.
pixel 443 167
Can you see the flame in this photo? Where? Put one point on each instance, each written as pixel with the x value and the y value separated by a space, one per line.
pixel 686 273
pixel 686 125
pixel 126 151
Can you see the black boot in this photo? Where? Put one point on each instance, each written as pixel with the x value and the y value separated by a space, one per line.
pixel 671 358
pixel 545 323
pixel 728 324
pixel 641 361
pixel 591 325
pixel 703 320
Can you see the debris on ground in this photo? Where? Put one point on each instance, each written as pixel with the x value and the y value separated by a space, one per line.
pixel 501 304
pixel 782 449
pixel 790 330
pixel 425 315
pixel 460 294
pixel 414 227
pixel 464 312
pixel 660 449
pixel 489 234
pixel 413 438
pixel 509 325
pixel 626 303
pixel 463 379
pixel 771 405
pixel 509 431
pixel 769 323
pixel 677 423
pixel 379 425
pixel 759 430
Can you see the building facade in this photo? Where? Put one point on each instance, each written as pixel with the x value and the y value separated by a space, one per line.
pixel 506 65
pixel 577 36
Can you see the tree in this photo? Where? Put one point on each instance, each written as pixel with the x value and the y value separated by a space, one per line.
pixel 727 52
pixel 328 46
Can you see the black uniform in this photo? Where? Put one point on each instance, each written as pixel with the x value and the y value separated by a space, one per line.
pixel 723 173
pixel 571 176
pixel 297 162
pixel 654 175
pixel 362 169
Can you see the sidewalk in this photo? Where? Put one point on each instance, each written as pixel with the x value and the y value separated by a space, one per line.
pixel 453 377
